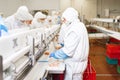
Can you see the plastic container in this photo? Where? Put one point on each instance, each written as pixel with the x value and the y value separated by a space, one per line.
pixel 90 73
pixel 113 51
pixel 111 61
pixel 113 40
pixel 118 68
pixel 119 62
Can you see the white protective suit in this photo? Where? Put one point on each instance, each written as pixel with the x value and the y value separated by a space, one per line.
pixel 35 22
pixel 76 45
pixel 63 30
pixel 14 21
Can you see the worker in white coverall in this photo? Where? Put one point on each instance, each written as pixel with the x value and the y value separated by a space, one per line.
pixel 19 19
pixel 61 36
pixel 39 20
pixel 76 46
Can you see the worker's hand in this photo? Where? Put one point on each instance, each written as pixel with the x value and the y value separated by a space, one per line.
pixel 47 52
pixel 62 44
pixel 59 54
pixel 3 27
pixel 52 55
pixel 58 47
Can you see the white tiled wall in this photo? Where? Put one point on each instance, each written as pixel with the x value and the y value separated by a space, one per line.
pixel 84 7
pixel 8 7
pixel 89 8
pixel 112 5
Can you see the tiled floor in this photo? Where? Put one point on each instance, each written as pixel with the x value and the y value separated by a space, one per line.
pixel 104 71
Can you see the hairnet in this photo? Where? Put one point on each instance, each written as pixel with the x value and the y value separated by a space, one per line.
pixel 23 14
pixel 70 14
pixel 22 8
pixel 39 15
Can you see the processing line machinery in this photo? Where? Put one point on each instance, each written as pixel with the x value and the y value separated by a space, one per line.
pixel 21 49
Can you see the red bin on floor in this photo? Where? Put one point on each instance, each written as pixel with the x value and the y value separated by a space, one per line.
pixel 119 62
pixel 113 51
pixel 114 40
pixel 90 73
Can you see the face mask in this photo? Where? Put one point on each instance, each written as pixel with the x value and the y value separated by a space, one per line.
pixel 19 23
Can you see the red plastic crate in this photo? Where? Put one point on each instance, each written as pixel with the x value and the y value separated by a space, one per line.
pixel 111 61
pixel 114 40
pixel 119 62
pixel 90 73
pixel 113 51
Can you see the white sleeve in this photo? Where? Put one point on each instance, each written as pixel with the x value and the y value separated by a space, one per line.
pixel 70 43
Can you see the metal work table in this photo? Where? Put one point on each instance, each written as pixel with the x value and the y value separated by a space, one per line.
pixel 42 67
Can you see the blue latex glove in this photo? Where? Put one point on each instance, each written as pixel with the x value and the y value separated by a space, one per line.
pixel 62 44
pixel 59 54
pixel 3 27
pixel 52 54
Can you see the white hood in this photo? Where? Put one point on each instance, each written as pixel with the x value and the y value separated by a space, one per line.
pixel 70 14
pixel 23 14
pixel 39 15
